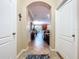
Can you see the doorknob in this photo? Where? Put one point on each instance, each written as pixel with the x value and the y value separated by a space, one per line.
pixel 13 33
pixel 73 35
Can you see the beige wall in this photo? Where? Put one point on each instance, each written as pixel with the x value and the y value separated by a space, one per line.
pixel 19 28
pixel 23 26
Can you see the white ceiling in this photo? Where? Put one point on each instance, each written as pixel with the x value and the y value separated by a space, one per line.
pixel 39 11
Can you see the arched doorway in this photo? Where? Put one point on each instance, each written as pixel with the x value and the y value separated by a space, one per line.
pixel 39 15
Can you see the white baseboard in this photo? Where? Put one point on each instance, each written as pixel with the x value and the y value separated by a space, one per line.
pixel 61 57
pixel 22 51
pixel 52 49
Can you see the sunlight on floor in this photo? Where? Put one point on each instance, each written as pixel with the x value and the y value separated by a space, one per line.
pixel 39 42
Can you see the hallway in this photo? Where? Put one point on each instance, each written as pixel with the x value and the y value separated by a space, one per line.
pixel 62 19
pixel 55 24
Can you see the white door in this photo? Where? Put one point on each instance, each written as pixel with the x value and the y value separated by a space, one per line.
pixel 7 29
pixel 65 30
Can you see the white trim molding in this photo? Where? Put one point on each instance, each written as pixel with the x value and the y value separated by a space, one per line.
pixel 51 49
pixel 21 52
pixel 64 2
